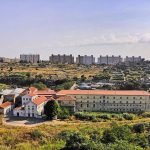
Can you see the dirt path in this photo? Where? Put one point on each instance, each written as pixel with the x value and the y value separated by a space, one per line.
pixel 34 123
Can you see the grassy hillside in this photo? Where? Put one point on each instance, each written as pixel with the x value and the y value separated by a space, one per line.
pixel 48 136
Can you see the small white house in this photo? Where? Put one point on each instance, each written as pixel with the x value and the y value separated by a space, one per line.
pixel 6 107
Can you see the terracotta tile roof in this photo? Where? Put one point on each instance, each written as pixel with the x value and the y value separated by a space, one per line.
pixel 6 104
pixel 104 92
pixel 39 100
pixel 32 91
pixel 65 98
pixel 46 92
pixel 31 94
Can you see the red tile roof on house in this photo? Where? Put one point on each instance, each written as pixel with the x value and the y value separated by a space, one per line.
pixel 104 92
pixel 39 100
pixel 6 104
pixel 65 98
pixel 32 91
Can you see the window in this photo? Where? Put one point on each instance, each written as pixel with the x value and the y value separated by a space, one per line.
pixel 81 105
pixel 99 101
pixel 93 101
pixel 113 101
pixel 103 101
pixel 120 97
pixel 127 102
pixel 133 97
pixel 103 96
pixel 94 97
pixel 94 105
pixel 87 105
pixel 120 102
pixel 87 97
pixel 140 102
pixel 133 102
pixel 114 98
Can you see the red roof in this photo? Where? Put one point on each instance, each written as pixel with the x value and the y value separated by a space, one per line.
pixel 32 91
pixel 65 98
pixel 6 104
pixel 104 92
pixel 39 100
pixel 46 92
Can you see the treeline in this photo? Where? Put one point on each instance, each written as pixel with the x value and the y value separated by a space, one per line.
pixel 27 79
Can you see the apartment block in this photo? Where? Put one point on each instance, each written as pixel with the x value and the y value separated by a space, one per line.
pixel 85 60
pixel 30 58
pixel 109 60
pixel 133 59
pixel 62 59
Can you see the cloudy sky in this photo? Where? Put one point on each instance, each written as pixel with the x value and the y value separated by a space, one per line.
pixel 98 27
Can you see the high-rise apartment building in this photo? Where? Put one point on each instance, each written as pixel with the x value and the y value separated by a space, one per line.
pixel 109 60
pixel 62 59
pixel 85 60
pixel 30 58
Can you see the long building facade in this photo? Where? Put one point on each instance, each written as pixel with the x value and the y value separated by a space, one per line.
pixel 62 59
pixel 133 59
pixel 109 60
pixel 30 58
pixel 85 60
pixel 110 101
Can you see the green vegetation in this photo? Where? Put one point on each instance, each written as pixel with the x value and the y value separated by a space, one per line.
pixel 51 109
pixel 114 138
pixel 107 134
pixel 39 86
pixel 3 86
pixel 99 116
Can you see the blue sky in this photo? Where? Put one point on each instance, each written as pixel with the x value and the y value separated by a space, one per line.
pixel 99 27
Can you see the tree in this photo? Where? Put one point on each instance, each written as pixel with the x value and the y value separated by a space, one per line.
pixel 83 78
pixel 116 133
pixel 39 86
pixel 51 109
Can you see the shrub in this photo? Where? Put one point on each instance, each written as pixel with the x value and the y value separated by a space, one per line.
pixel 128 116
pixel 145 114
pixel 36 134
pixel 116 133
pixel 63 113
pixel 139 128
pixel 105 116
